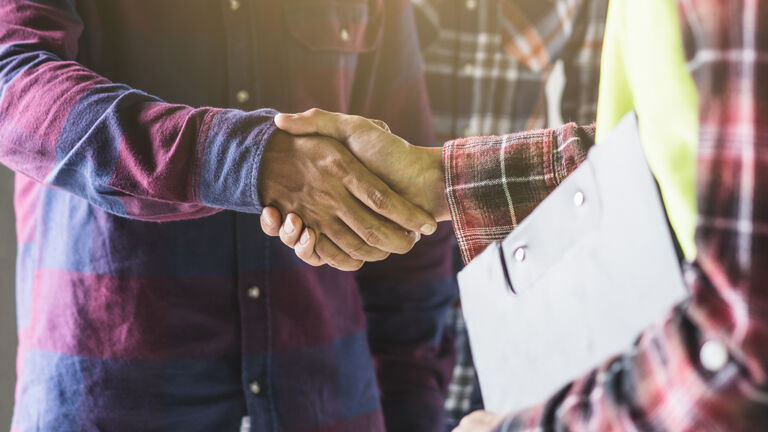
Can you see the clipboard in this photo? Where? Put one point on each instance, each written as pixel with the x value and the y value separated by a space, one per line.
pixel 578 280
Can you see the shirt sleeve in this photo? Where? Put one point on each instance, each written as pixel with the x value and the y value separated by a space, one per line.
pixel 493 183
pixel 121 149
pixel 406 297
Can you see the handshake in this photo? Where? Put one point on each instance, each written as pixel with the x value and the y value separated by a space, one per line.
pixel 350 190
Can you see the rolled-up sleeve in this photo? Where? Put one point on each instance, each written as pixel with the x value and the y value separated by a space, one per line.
pixel 493 183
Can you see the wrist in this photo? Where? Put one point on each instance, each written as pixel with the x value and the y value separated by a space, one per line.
pixel 277 152
pixel 434 184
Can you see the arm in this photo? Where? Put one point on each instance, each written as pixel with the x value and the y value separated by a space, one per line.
pixel 121 149
pixel 137 156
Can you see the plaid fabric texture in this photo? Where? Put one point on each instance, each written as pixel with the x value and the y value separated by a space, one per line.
pixel 116 115
pixel 488 61
pixel 464 390
pixel 487 65
pixel 493 183
pixel 704 366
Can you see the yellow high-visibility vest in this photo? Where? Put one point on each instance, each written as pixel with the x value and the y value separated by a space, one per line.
pixel 644 69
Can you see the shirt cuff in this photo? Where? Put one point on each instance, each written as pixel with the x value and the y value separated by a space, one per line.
pixel 493 183
pixel 232 154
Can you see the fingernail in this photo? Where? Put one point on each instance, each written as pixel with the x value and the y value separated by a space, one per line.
pixel 268 221
pixel 304 238
pixel 288 227
pixel 428 229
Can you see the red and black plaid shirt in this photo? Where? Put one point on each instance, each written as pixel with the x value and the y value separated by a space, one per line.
pixel 665 381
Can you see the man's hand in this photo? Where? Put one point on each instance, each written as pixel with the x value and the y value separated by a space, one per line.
pixel 358 216
pixel 479 421
pixel 416 173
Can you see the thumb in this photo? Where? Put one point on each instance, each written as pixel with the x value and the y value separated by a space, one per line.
pixel 295 124
pixel 316 122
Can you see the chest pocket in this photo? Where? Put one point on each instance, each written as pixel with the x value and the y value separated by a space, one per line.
pixel 350 26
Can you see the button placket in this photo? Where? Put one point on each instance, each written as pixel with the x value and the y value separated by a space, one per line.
pixel 239 53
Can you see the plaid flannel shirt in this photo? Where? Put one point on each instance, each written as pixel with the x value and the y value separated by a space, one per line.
pixel 119 114
pixel 667 380
pixel 488 61
pixel 487 64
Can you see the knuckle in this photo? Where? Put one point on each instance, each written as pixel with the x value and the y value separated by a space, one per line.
pixel 357 250
pixel 372 237
pixel 324 195
pixel 378 199
pixel 333 258
pixel 312 112
pixel 358 120
pixel 338 167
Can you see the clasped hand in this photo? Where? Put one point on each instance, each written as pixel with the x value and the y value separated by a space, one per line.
pixel 351 191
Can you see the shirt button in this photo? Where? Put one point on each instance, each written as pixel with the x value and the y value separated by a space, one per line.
pixel 578 199
pixel 243 96
pixel 344 34
pixel 519 254
pixel 234 4
pixel 469 69
pixel 254 292
pixel 254 387
pixel 713 356
pixel 471 4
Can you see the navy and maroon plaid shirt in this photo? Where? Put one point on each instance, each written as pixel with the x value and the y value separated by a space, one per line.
pixel 201 320
pixel 703 367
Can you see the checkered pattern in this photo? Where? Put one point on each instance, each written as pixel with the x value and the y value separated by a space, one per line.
pixel 116 115
pixel 493 183
pixel 488 61
pixel 460 390
pixel 667 381
pixel 487 65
